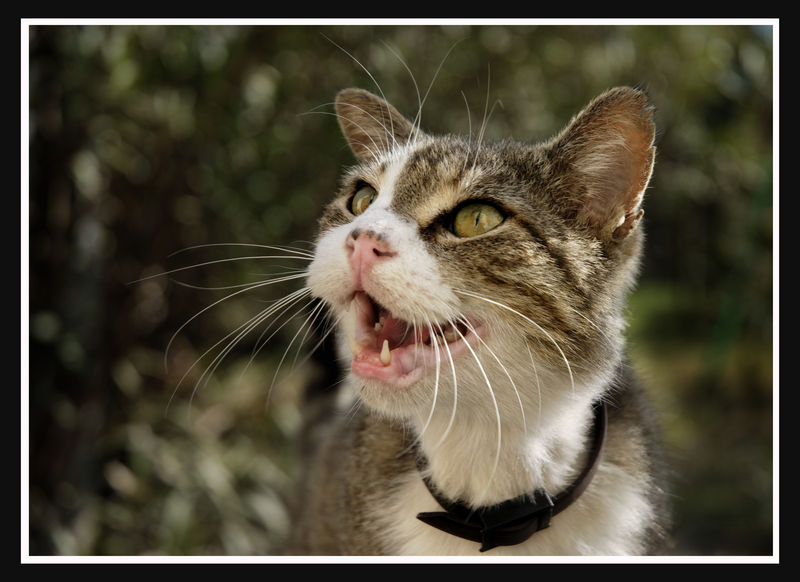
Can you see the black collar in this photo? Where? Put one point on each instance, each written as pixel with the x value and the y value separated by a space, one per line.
pixel 515 520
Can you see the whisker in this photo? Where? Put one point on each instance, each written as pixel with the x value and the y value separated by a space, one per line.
pixel 215 262
pixel 314 312
pixel 418 438
pixel 378 149
pixel 282 305
pixel 355 406
pixel 240 332
pixel 487 114
pixel 377 85
pixel 469 326
pixel 330 328
pixel 529 320
pixel 292 274
pixel 288 249
pixel 469 142
pixel 415 124
pixel 496 411
pixel 483 125
pixel 486 105
pixel 215 303
pixel 455 391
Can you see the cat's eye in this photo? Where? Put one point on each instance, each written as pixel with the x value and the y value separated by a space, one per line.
pixel 476 218
pixel 362 198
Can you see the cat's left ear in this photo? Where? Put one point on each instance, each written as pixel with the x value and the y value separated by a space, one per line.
pixel 610 153
pixel 370 124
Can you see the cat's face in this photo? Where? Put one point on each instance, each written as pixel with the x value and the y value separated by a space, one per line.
pixel 467 272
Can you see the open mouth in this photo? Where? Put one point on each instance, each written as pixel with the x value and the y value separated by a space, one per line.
pixel 395 351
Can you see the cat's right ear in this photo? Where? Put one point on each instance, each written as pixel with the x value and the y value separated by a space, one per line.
pixel 606 157
pixel 370 124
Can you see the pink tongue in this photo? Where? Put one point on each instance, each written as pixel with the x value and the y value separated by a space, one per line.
pixel 395 330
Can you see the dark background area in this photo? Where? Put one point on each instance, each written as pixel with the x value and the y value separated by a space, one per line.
pixel 149 140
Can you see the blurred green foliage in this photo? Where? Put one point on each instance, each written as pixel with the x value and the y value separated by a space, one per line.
pixel 148 140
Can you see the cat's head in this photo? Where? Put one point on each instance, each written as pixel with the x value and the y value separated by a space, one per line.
pixel 451 266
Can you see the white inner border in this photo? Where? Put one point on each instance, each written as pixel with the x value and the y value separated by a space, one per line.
pixel 26 558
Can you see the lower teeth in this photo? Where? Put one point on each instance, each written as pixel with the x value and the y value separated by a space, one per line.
pixel 450 335
pixel 445 337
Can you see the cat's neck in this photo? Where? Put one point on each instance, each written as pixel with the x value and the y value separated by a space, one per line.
pixel 546 451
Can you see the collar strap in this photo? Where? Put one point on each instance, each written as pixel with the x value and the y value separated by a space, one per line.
pixel 515 520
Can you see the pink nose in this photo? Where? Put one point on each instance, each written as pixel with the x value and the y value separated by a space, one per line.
pixel 365 249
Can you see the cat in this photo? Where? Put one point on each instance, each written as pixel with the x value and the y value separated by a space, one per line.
pixel 477 292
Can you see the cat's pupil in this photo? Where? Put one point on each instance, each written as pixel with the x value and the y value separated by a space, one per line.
pixel 476 218
pixel 362 199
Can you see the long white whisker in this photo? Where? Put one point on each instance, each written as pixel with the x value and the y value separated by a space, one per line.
pixel 375 153
pixel 240 332
pixel 215 303
pixel 483 125
pixel 355 406
pixel 529 320
pixel 377 85
pixel 418 119
pixel 469 121
pixel 486 105
pixel 455 392
pixel 415 124
pixel 496 410
pixel 281 305
pixel 295 250
pixel 292 274
pixel 469 326
pixel 331 327
pixel 214 262
pixel 314 313
pixel 435 391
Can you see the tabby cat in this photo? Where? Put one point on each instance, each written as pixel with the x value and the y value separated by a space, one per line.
pixel 478 291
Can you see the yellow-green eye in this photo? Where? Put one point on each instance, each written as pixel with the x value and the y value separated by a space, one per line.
pixel 362 198
pixel 476 218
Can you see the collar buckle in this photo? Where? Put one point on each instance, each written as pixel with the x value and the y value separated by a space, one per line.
pixel 514 521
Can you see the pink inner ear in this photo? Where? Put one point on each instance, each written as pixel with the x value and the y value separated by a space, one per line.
pixel 615 182
pixel 612 151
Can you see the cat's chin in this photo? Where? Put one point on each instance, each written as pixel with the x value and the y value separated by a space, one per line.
pixel 401 400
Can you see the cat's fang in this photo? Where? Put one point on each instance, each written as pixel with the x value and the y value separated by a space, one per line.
pixel 354 346
pixel 386 353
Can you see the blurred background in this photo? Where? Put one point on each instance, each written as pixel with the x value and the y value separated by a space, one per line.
pixel 147 142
